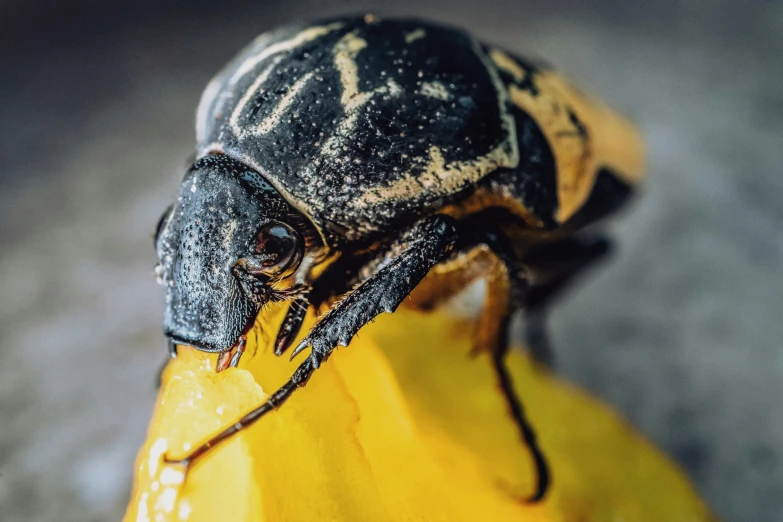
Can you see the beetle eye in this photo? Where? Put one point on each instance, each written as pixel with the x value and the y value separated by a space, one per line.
pixel 278 248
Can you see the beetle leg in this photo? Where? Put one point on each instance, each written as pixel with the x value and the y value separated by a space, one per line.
pixel 240 349
pixel 405 264
pixel 492 323
pixel 506 284
pixel 487 253
pixel 449 278
pixel 517 412
pixel 297 380
pixel 446 280
pixel 230 358
pixel 344 271
pixel 339 278
pixel 494 326
pixel 292 323
pixel 223 360
pixel 426 243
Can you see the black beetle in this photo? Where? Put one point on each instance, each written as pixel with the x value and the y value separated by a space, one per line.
pixel 350 157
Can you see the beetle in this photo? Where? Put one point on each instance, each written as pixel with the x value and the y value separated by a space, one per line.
pixel 339 163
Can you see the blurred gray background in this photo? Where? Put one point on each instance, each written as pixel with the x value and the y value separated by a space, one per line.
pixel 682 331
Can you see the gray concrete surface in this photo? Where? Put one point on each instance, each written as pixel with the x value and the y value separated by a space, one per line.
pixel 682 331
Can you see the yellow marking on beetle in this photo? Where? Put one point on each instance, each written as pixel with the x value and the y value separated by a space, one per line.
pixel 484 198
pixel 239 131
pixel 285 102
pixel 215 85
pixel 451 277
pixel 435 89
pixel 507 64
pixel 609 140
pixel 415 35
pixel 438 177
pixel 248 65
pixel 303 37
pixel 345 53
pixel 509 125
pixel 571 150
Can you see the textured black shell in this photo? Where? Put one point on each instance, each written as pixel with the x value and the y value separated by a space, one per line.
pixel 362 125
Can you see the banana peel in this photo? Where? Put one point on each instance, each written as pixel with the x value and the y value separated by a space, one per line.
pixel 403 425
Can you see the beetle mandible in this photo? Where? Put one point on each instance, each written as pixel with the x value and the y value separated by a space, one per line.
pixel 340 163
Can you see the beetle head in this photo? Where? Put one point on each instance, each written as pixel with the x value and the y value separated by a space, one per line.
pixel 225 248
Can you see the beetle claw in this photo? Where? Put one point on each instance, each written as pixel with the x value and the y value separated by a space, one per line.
pixel 239 349
pixel 300 348
pixel 223 361
pixel 230 358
